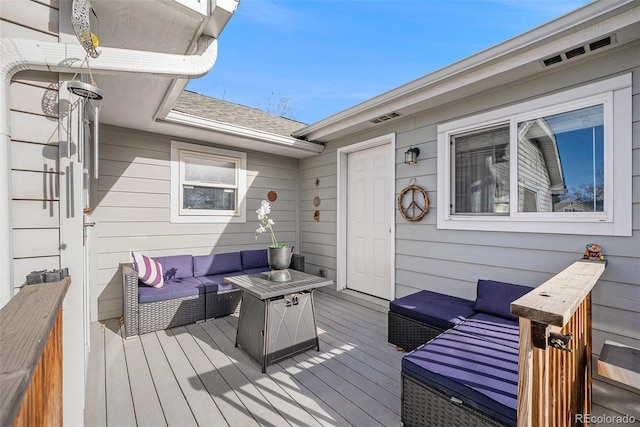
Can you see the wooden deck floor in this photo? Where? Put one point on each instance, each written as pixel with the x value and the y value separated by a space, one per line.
pixel 194 375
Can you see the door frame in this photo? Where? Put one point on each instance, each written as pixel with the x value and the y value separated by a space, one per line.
pixel 341 220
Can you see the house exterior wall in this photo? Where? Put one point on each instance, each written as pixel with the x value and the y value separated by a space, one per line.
pixel 451 261
pixel 132 210
pixel 34 175
pixel 43 229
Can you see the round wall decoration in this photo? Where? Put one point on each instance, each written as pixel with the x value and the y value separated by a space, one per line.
pixel 413 202
pixel 316 201
pixel 272 196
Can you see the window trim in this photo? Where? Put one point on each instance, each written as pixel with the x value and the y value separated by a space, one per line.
pixel 178 214
pixel 616 94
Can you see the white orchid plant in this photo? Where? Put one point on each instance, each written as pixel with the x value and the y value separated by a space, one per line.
pixel 266 223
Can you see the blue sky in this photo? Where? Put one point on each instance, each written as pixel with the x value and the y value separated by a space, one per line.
pixel 323 56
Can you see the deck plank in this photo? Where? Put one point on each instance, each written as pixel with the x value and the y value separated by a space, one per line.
pixel 362 380
pixel 350 392
pixel 273 400
pixel 145 399
pixel 350 412
pixel 200 402
pixel 174 406
pixel 96 413
pixel 119 404
pixel 205 359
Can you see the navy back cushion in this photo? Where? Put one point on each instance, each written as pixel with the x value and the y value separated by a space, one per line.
pixel 254 258
pixel 205 265
pixel 176 266
pixel 496 297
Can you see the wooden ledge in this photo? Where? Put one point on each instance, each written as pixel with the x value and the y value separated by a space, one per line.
pixel 25 324
pixel 554 302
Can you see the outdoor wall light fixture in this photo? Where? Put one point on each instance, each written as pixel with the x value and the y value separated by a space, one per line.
pixel 411 155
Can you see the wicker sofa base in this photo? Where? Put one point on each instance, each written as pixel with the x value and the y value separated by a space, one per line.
pixel 155 316
pixel 409 334
pixel 425 406
pixel 222 303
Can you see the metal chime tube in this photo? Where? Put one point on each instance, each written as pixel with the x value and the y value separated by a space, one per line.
pixel 80 140
pixel 69 131
pixel 95 141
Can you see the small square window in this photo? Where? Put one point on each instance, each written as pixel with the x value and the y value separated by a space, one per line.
pixel 208 184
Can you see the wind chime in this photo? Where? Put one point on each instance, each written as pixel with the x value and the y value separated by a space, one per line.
pixel 89 96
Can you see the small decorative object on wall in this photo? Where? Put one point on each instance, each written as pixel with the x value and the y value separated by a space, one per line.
pixel 317 182
pixel 316 201
pixel 272 196
pixel 316 215
pixel 593 252
pixel 417 205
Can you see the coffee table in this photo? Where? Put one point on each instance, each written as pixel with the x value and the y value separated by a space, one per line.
pixel 277 319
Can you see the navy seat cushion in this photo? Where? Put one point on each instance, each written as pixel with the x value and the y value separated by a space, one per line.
pixel 205 265
pixel 492 328
pixel 176 266
pixel 215 282
pixel 483 374
pixel 255 258
pixel 439 310
pixel 496 297
pixel 256 270
pixel 177 288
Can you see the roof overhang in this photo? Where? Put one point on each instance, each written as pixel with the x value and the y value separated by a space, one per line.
pixel 515 59
pixel 182 125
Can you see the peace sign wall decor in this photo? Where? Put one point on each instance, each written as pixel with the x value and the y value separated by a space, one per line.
pixel 417 204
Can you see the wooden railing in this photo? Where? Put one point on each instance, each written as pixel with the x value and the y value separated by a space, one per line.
pixel 554 364
pixel 31 356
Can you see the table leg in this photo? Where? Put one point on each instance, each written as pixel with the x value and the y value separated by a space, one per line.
pixel 265 335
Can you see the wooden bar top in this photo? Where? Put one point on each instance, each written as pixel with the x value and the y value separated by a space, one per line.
pixel 554 302
pixel 25 323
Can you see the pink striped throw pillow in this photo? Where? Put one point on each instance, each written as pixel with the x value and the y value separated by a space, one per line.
pixel 149 271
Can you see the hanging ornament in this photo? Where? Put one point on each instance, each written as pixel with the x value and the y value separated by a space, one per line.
pixel 418 205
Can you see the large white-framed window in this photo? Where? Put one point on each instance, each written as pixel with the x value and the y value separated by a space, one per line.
pixel 208 184
pixel 557 164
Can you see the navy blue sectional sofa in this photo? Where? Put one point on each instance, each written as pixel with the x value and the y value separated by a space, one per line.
pixel 466 373
pixel 194 290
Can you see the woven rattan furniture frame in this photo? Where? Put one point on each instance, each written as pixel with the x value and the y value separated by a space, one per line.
pixel 222 303
pixel 155 316
pixel 425 406
pixel 409 334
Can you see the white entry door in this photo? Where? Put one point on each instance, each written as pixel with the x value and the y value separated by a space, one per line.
pixel 369 195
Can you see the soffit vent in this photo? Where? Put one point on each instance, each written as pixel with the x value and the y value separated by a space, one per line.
pixel 579 51
pixel 385 117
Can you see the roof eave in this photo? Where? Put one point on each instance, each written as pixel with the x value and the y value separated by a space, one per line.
pixel 266 141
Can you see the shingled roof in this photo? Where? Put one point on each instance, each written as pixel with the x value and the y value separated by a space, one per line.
pixel 235 114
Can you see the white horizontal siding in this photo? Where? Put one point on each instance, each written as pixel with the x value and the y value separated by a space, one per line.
pixel 37 17
pixel 132 210
pixel 35 214
pixel 35 178
pixel 451 261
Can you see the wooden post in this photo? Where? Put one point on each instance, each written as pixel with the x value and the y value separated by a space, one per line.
pixel 554 384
